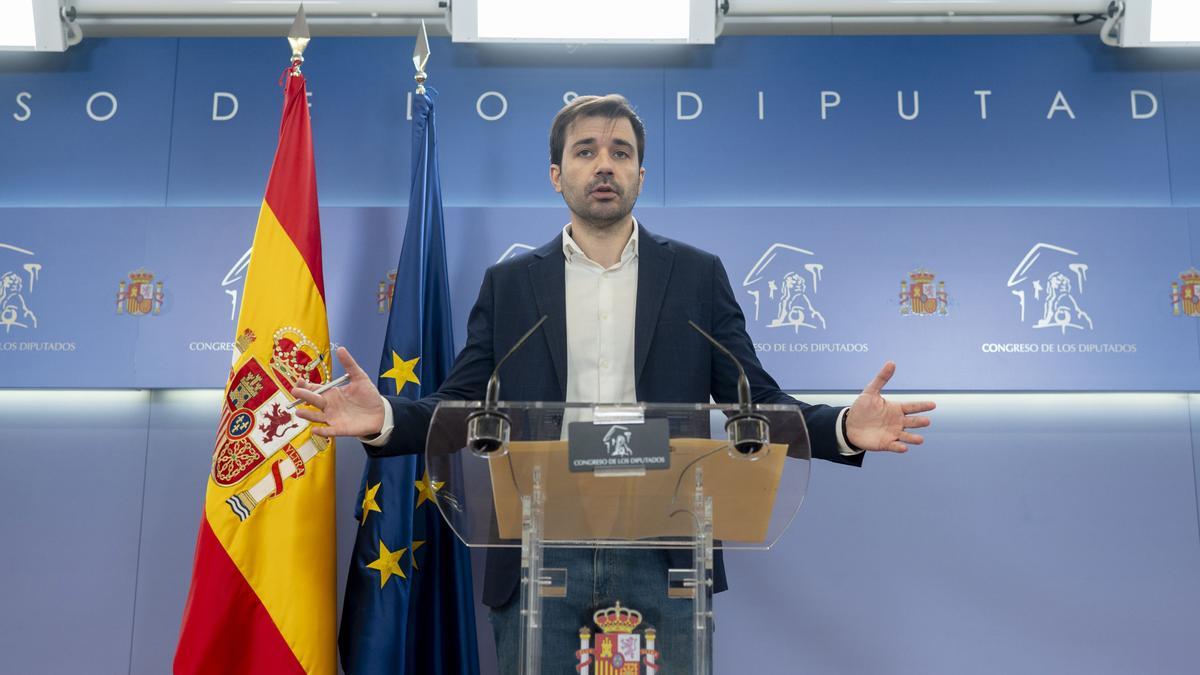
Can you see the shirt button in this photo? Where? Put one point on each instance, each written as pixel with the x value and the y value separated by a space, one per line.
pixel 604 317
pixel 604 363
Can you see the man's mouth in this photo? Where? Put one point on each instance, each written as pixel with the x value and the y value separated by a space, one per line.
pixel 604 191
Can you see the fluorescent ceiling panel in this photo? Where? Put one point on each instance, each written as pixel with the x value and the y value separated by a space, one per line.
pixel 584 21
pixel 31 25
pixel 1175 21
pixel 16 24
pixel 1161 23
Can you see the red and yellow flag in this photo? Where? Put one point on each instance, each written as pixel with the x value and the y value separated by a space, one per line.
pixel 263 595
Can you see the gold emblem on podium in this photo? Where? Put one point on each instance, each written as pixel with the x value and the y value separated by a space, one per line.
pixel 617 648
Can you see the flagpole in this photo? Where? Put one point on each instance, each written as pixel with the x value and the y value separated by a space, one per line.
pixel 421 57
pixel 298 38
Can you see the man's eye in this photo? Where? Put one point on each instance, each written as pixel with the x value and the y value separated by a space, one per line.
pixel 584 153
pixel 621 154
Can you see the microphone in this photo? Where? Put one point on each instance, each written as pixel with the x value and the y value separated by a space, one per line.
pixel 488 429
pixel 749 432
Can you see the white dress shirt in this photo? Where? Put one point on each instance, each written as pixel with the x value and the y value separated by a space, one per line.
pixel 601 308
pixel 601 312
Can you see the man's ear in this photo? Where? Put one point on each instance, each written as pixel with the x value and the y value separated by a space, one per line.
pixel 641 178
pixel 555 175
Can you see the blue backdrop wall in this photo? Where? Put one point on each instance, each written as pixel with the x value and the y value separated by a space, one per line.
pixel 998 214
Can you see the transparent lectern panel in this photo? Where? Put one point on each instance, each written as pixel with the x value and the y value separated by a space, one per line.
pixel 617 475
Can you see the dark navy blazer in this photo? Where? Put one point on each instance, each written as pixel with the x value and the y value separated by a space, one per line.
pixel 672 362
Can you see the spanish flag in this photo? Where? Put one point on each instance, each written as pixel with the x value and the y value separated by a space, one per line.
pixel 263 594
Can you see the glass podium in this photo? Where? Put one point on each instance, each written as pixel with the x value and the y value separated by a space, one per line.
pixel 536 475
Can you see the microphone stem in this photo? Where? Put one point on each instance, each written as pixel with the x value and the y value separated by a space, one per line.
pixel 745 401
pixel 493 385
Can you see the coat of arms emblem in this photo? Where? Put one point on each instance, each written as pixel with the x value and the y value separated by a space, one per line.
pixel 387 289
pixel 257 423
pixel 918 297
pixel 1185 293
pixel 617 647
pixel 141 294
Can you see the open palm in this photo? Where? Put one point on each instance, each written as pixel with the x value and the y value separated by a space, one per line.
pixel 353 410
pixel 875 423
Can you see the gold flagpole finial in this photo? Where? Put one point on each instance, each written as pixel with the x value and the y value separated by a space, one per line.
pixel 298 38
pixel 421 57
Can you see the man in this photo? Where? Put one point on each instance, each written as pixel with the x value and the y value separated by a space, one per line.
pixel 618 300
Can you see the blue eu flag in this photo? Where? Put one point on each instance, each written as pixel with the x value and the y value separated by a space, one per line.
pixel 409 607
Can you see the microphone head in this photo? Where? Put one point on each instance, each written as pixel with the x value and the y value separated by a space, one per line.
pixel 749 435
pixel 488 432
pixel 484 446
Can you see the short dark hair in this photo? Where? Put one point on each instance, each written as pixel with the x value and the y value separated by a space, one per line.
pixel 613 106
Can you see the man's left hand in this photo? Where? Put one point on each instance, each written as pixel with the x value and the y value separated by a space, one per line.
pixel 874 423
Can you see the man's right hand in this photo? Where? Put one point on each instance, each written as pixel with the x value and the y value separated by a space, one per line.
pixel 354 409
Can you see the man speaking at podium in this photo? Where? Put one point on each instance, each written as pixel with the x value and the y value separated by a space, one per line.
pixel 618 300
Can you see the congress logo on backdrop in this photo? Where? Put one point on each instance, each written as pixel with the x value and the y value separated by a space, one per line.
pixel 1185 293
pixel 783 284
pixel 17 285
pixel 1049 285
pixel 20 276
pixel 919 297
pixel 232 282
pixel 140 295
pixel 1049 290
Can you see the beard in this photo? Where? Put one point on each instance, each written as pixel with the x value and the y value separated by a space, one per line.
pixel 601 214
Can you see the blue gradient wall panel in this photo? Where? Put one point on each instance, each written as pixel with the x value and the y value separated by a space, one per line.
pixel 861 258
pixel 193 256
pixel 1194 409
pixel 505 162
pixel 1035 534
pixel 986 298
pixel 1182 102
pixel 864 152
pixel 56 152
pixel 64 330
pixel 71 495
pixel 181 425
pixel 1121 133
pixel 1194 256
pixel 225 161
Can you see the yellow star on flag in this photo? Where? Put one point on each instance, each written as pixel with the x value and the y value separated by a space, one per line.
pixel 369 504
pixel 427 489
pixel 402 371
pixel 388 564
pixel 416 545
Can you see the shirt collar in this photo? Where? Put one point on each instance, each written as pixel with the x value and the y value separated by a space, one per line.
pixel 571 250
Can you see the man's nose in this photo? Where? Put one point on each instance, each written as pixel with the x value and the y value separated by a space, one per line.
pixel 604 165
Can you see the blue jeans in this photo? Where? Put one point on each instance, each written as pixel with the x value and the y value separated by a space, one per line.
pixel 598 578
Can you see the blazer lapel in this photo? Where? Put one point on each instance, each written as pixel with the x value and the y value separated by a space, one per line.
pixel 548 276
pixel 654 270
